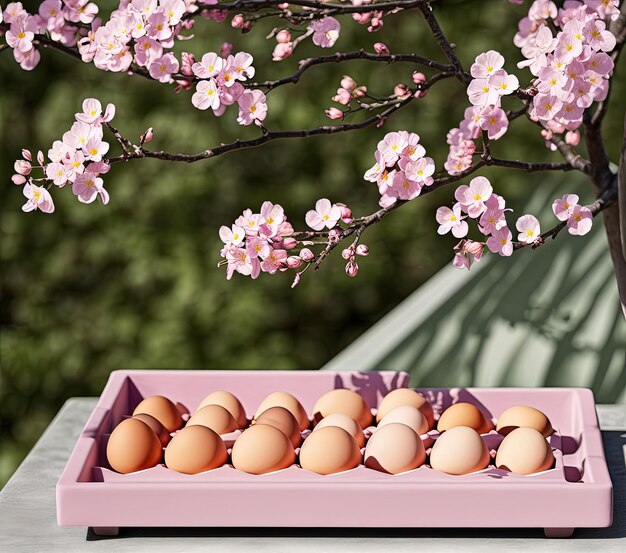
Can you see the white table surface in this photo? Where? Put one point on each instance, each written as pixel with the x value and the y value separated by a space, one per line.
pixel 28 513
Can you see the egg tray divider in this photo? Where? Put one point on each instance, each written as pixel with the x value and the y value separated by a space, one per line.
pixel 577 492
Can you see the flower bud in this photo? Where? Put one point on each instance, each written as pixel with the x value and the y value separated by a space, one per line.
pixel 306 254
pixel 18 179
pixel 296 280
pixel 282 51
pixel 381 49
pixel 283 6
pixel 284 229
pixel 334 235
pixel 352 269
pixel 237 21
pixel 22 167
pixel 334 113
pixel 188 59
pixel 147 136
pixel 418 77
pixel 293 261
pixel 226 49
pixel 400 90
pixel 343 97
pixel 572 138
pixel 289 243
pixel 347 253
pixel 348 83
pixel 40 157
pixel 246 27
pixel 362 250
pixel 27 155
pixel 283 36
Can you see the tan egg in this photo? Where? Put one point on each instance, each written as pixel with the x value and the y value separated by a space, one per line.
pixel 229 402
pixel 459 450
pixel 163 410
pixel 464 414
pixel 523 415
pixel 289 402
pixel 344 401
pixel 133 446
pixel 160 430
pixel 342 420
pixel 394 448
pixel 215 417
pixel 282 419
pixel 524 451
pixel 262 448
pixel 406 414
pixel 195 449
pixel 329 450
pixel 406 396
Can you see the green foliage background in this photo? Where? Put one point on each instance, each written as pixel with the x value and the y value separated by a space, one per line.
pixel 135 284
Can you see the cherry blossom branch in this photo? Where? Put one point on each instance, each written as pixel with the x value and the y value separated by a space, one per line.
pixel 326 7
pixel 307 63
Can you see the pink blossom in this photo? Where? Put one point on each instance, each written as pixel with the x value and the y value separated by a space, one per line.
pixel 487 64
pixel 500 242
pixel 92 110
pixel 173 10
pixel 252 107
pixel 226 49
pixel 242 66
pixel 206 95
pixel 503 83
pixel 294 262
pixel 274 216
pixel 343 96
pixel 57 173
pixel 598 37
pixel 257 246
pixel 391 146
pixel 232 236
pixel 12 11
pixel 250 222
pixel 421 171
pixel 493 218
pixel 564 206
pixel 403 188
pixel 274 261
pixel 88 187
pixel 605 8
pixel 373 174
pixel 466 252
pixel 529 229
pixel 237 21
pixel 580 221
pixel 472 198
pixel 451 220
pixel 348 83
pixel 283 36
pixel 21 34
pixel 162 68
pixel 239 261
pixel 546 106
pixel 494 120
pixel 325 215
pixel 480 93
pixel 37 198
pixel 95 149
pixel 325 31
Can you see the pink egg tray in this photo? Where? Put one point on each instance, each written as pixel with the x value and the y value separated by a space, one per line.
pixel 577 492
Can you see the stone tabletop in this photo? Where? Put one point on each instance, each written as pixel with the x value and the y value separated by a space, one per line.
pixel 28 515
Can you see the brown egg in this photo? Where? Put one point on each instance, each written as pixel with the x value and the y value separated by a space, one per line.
pixel 406 396
pixel 163 410
pixel 394 448
pixel 524 451
pixel 133 446
pixel 160 430
pixel 342 420
pixel 523 415
pixel 282 419
pixel 406 414
pixel 459 450
pixel 195 449
pixel 215 417
pixel 464 414
pixel 344 401
pixel 262 448
pixel 229 402
pixel 329 450
pixel 289 402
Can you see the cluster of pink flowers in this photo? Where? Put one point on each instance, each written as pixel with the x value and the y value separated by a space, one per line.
pixel 348 90
pixel 258 242
pixel 479 202
pixel 139 31
pixel 401 169
pixel 324 33
pixel 220 85
pixel 489 84
pixel 58 19
pixel 571 68
pixel 76 159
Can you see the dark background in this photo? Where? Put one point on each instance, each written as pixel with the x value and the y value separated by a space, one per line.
pixel 135 284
